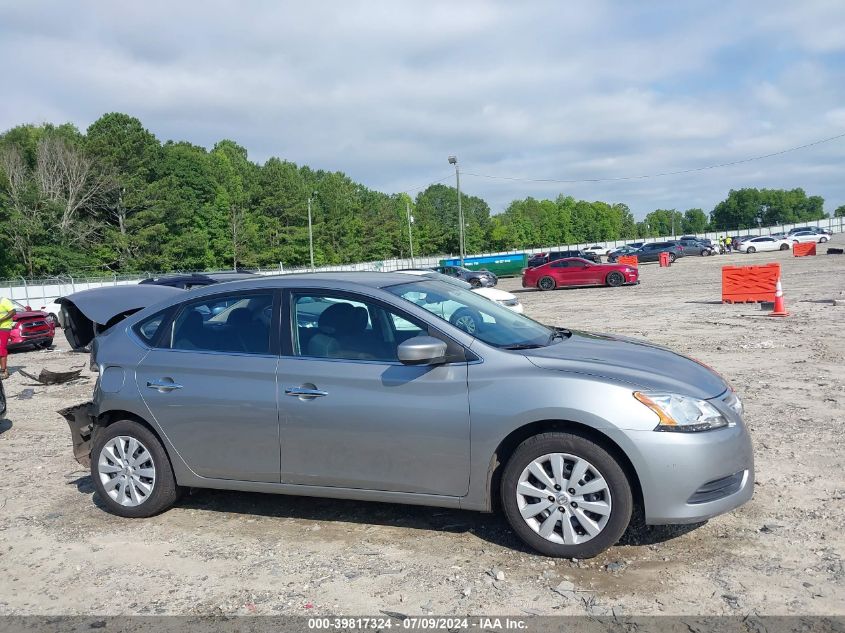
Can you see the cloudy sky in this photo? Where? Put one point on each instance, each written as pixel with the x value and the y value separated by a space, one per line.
pixel 385 91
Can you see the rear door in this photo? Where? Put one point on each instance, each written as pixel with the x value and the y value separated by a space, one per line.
pixel 210 383
pixel 353 416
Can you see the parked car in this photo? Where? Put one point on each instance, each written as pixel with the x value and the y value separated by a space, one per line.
pixel 544 258
pixel 194 280
pixel 803 237
pixel 650 252
pixel 575 271
pixel 570 430
pixel 508 300
pixel 31 328
pixel 628 249
pixel 764 243
pixel 696 247
pixel 475 278
pixel 598 250
pixel 811 229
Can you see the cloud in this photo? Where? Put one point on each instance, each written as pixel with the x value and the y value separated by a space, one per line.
pixel 385 91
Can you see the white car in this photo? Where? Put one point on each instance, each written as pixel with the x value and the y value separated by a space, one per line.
pixel 501 297
pixel 598 250
pixel 764 243
pixel 803 237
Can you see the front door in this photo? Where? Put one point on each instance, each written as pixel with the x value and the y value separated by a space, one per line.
pixel 353 416
pixel 211 386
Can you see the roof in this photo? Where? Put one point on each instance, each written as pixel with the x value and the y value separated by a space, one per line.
pixel 364 278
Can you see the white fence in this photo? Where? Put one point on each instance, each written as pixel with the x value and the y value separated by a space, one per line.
pixel 41 293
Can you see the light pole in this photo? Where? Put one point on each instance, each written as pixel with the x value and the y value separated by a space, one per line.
pixel 410 234
pixel 310 231
pixel 453 160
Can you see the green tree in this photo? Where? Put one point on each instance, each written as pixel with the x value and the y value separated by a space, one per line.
pixel 695 221
pixel 840 211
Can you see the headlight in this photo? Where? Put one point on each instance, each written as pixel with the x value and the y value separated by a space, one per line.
pixel 682 413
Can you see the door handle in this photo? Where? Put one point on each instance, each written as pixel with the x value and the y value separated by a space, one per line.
pixel 305 392
pixel 163 386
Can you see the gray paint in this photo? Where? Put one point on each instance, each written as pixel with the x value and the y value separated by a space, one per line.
pixel 416 434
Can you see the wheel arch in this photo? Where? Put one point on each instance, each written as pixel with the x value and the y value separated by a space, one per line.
pixel 510 442
pixel 106 418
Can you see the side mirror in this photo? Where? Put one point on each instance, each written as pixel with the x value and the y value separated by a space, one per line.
pixel 422 350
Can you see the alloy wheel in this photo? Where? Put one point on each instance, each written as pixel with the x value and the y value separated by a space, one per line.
pixel 126 470
pixel 466 323
pixel 563 498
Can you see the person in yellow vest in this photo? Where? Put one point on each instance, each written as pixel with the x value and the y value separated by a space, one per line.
pixel 7 311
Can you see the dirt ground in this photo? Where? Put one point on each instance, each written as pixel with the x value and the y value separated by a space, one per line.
pixel 237 553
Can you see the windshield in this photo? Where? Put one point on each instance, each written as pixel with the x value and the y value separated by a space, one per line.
pixel 476 315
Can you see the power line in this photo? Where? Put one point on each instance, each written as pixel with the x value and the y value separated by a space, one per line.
pixel 665 173
pixel 408 191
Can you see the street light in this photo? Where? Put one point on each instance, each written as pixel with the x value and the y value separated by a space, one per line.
pixel 453 160
pixel 310 231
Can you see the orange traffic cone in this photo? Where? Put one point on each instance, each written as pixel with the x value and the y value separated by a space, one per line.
pixel 780 308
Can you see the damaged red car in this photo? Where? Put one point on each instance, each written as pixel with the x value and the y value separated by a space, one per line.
pixel 32 328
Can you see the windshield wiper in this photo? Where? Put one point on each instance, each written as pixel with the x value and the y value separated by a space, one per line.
pixel 523 346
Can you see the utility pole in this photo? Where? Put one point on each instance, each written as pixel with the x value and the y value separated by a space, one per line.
pixel 311 232
pixel 453 160
pixel 410 234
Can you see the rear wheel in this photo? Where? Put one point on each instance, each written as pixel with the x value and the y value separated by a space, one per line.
pixel 467 320
pixel 565 496
pixel 822 240
pixel 546 283
pixel 672 258
pixel 131 471
pixel 751 249
pixel 615 278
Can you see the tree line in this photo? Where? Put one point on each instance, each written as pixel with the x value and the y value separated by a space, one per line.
pixel 116 199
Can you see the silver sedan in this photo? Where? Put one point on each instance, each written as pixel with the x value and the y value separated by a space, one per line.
pixel 356 386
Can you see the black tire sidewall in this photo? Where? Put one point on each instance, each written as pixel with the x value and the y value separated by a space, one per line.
pixel 751 249
pixel 575 444
pixel 461 312
pixel 540 283
pixel 672 258
pixel 165 491
pixel 615 275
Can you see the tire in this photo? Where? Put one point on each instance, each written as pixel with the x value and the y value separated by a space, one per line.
pixel 546 283
pixel 55 319
pixel 467 320
pixel 163 491
pixel 672 258
pixel 784 247
pixel 475 283
pixel 750 249
pixel 614 279
pixel 45 344
pixel 822 240
pixel 615 497
pixel 706 253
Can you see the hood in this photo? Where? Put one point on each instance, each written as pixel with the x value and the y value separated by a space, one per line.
pixel 87 313
pixel 29 314
pixel 494 294
pixel 638 363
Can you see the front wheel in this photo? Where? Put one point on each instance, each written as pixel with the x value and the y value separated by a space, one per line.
pixel 131 472
pixel 565 496
pixel 751 249
pixel 615 279
pixel 784 247
pixel 546 283
pixel 672 258
pixel 706 253
pixel 822 240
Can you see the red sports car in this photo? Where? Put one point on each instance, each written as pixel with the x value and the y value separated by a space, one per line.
pixel 32 328
pixel 574 271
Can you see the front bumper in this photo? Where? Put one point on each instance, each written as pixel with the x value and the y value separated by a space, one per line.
pixel 691 477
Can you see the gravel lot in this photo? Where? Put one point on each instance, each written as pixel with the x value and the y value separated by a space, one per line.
pixel 237 553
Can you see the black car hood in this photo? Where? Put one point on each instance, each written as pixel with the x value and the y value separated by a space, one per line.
pixel 88 312
pixel 638 363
